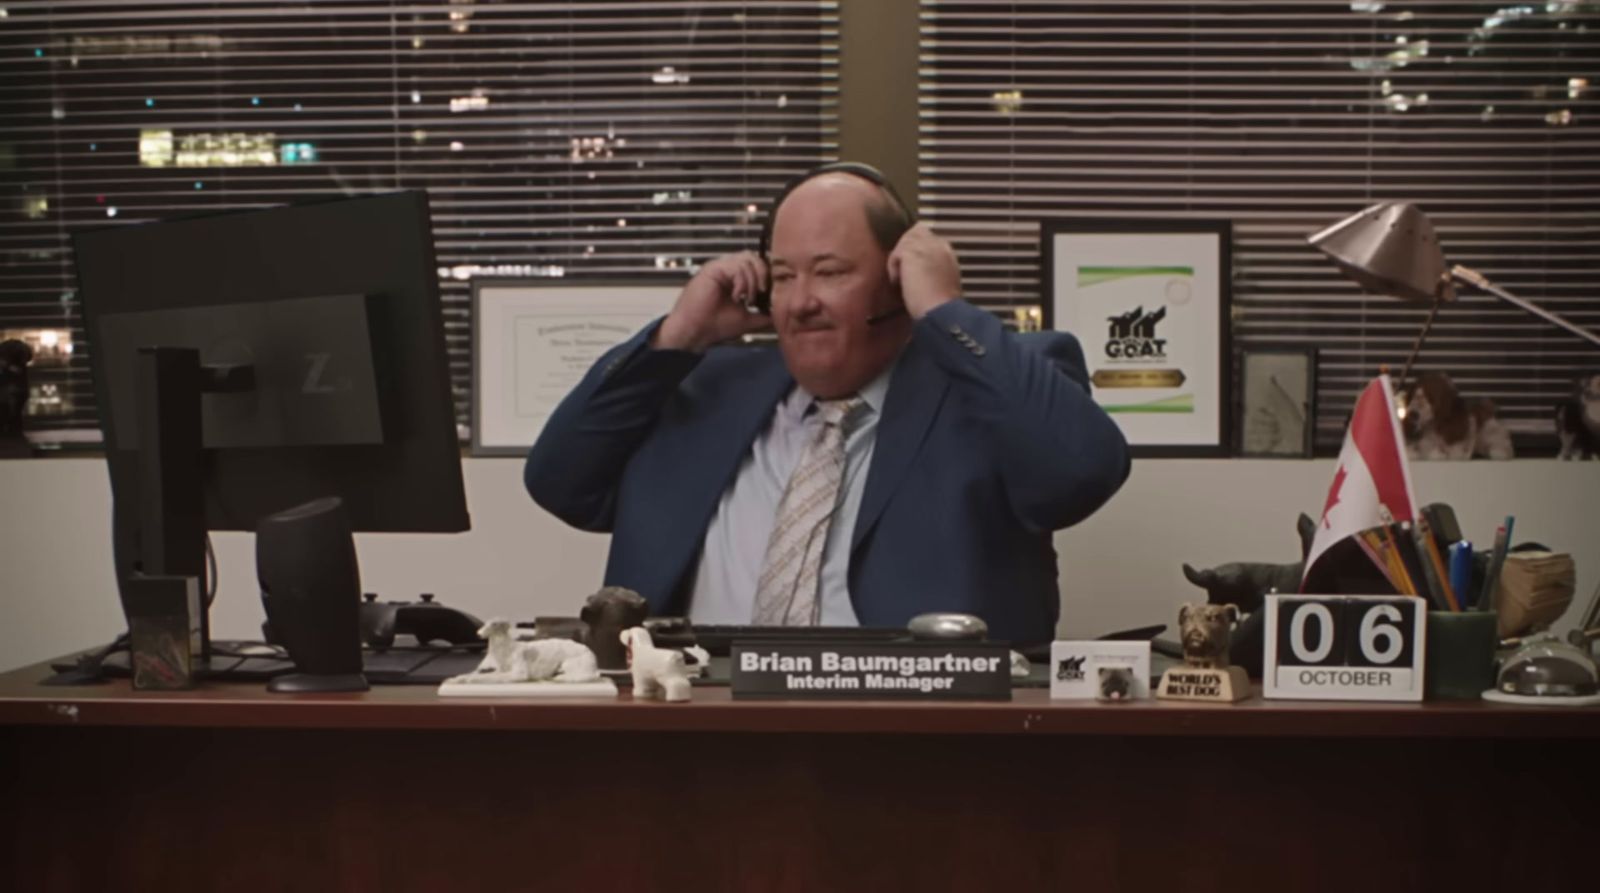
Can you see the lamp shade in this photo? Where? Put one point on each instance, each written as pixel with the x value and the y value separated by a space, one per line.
pixel 1389 248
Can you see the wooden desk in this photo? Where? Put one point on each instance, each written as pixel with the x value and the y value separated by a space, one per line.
pixel 232 788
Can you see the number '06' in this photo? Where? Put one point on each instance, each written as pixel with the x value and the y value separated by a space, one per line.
pixel 1379 633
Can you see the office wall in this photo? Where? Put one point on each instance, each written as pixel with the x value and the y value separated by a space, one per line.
pixel 1119 569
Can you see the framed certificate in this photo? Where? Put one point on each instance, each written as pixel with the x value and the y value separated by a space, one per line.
pixel 1149 300
pixel 534 339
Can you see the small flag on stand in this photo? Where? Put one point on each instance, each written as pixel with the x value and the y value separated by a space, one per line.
pixel 1371 480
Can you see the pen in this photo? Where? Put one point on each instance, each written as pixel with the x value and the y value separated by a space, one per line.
pixel 1399 562
pixel 1436 566
pixel 1430 567
pixel 1461 572
pixel 1491 579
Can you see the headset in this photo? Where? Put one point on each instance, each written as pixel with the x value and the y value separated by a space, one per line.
pixel 763 299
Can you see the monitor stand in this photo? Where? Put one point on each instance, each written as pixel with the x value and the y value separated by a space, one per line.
pixel 170 529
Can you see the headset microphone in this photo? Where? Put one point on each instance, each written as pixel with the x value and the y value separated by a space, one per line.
pixel 886 315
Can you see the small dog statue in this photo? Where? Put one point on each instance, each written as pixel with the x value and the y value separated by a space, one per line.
pixel 1578 421
pixel 1206 675
pixel 1440 424
pixel 657 672
pixel 1206 631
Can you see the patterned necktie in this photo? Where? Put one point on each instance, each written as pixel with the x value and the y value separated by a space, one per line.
pixel 787 592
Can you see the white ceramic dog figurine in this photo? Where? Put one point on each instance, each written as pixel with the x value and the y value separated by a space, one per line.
pixel 657 672
pixel 539 660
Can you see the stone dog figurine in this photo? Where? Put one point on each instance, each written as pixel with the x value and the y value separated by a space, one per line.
pixel 607 613
pixel 1206 631
pixel 1244 584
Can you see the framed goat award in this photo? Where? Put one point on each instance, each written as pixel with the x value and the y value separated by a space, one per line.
pixel 1149 302
pixel 534 339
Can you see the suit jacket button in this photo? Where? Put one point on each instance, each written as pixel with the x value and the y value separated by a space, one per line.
pixel 956 330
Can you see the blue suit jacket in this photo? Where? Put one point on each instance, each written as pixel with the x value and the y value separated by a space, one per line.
pixel 988 442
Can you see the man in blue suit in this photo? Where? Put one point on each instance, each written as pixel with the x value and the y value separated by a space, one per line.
pixel 957 448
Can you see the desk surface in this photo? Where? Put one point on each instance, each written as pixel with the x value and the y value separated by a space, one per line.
pixel 23 701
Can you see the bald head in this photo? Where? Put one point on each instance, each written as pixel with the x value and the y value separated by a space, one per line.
pixel 887 219
pixel 829 266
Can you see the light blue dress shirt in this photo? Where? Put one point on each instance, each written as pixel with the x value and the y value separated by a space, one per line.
pixel 736 541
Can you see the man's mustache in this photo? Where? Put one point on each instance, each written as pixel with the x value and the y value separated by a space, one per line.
pixel 891 313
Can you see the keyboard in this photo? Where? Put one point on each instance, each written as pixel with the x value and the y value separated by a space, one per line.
pixel 253 662
pixel 417 667
pixel 716 639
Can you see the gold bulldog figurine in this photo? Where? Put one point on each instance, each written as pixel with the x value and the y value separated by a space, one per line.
pixel 1206 631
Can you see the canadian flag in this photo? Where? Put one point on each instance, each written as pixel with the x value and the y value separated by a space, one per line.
pixel 1372 474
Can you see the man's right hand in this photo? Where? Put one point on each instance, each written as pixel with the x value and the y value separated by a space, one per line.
pixel 712 306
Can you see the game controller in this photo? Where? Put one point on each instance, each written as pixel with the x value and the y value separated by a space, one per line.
pixel 427 620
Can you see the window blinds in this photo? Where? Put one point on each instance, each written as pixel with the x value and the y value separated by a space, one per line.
pixel 575 139
pixel 1284 117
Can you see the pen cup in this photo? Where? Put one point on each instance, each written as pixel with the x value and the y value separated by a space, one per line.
pixel 1460 655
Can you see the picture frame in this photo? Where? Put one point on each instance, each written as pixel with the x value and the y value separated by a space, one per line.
pixel 1150 302
pixel 533 340
pixel 1277 403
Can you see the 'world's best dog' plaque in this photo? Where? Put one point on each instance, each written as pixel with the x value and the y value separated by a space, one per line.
pixel 921 671
pixel 1344 648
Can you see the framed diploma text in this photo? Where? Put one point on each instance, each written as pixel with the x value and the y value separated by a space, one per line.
pixel 533 340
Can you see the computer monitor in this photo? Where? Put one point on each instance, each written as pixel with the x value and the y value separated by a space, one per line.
pixel 245 363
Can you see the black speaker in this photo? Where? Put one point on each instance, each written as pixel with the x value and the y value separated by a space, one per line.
pixel 311 588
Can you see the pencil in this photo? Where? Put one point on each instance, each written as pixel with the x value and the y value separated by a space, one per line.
pixel 1399 562
pixel 1391 563
pixel 1425 533
pixel 1361 540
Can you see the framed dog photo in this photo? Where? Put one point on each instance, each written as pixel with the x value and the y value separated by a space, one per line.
pixel 534 339
pixel 1277 402
pixel 1149 301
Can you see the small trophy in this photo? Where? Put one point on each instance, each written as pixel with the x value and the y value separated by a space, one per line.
pixel 1205 674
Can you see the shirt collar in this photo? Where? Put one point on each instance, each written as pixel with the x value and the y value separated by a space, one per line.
pixel 799 401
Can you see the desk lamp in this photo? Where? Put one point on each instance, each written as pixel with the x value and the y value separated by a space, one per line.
pixel 1390 248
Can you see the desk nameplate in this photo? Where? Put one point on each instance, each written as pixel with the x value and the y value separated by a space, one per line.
pixel 916 671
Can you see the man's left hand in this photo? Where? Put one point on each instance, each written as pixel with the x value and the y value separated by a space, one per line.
pixel 925 267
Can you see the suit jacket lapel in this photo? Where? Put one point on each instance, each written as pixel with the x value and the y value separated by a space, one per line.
pixel 915 393
pixel 707 454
